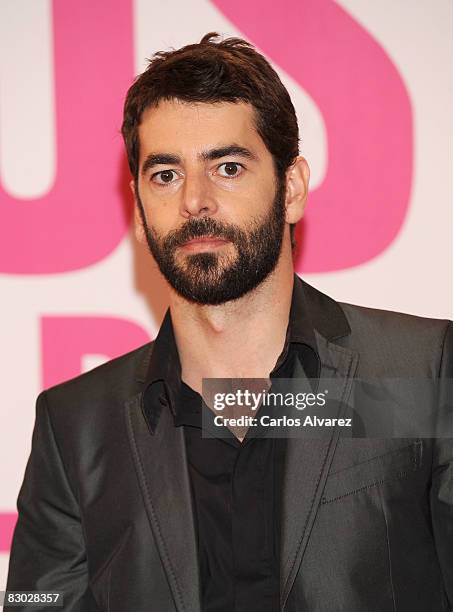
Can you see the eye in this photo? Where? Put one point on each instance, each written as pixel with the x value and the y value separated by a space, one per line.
pixel 164 177
pixel 230 169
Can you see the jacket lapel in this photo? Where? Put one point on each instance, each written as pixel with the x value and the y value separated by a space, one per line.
pixel 307 467
pixel 159 454
pixel 160 461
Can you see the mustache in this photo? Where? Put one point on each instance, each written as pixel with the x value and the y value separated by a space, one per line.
pixel 200 228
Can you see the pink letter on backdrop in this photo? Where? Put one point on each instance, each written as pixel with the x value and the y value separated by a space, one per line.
pixel 360 207
pixel 65 340
pixel 7 524
pixel 84 217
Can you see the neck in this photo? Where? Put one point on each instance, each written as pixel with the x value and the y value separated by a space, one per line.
pixel 239 339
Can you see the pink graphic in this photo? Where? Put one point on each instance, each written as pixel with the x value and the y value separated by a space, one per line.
pixel 7 524
pixel 65 340
pixel 85 215
pixel 360 207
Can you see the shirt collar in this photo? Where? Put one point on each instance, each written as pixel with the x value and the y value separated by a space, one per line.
pixel 163 379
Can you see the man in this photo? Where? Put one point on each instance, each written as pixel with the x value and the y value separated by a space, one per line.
pixel 126 505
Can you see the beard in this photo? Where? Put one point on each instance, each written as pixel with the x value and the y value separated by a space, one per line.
pixel 213 277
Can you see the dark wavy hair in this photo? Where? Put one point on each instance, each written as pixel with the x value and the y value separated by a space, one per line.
pixel 215 70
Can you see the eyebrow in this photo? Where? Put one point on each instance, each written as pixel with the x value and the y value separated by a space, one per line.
pixel 233 150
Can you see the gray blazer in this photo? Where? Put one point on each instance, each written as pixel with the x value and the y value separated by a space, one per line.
pixel 105 511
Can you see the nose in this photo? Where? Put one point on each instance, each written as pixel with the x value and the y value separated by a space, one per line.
pixel 196 196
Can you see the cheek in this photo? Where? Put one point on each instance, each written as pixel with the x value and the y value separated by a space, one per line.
pixel 259 203
pixel 161 215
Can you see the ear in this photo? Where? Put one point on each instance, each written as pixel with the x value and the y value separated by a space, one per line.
pixel 140 234
pixel 297 179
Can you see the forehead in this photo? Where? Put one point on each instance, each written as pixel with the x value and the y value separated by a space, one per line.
pixel 184 128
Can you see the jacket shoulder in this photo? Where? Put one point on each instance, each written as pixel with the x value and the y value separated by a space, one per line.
pixel 120 378
pixel 390 319
pixel 396 339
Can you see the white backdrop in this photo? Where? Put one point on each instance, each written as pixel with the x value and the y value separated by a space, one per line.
pixel 412 274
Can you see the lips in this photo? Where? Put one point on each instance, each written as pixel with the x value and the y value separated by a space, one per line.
pixel 207 241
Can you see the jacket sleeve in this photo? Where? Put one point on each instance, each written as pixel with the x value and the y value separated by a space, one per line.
pixel 442 476
pixel 48 549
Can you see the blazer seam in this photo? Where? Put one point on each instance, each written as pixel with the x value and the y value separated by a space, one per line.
pixel 388 549
pixel 375 457
pixel 321 472
pixel 416 460
pixel 397 476
pixel 153 513
pixel 442 350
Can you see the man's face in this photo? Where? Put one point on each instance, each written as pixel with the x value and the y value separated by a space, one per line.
pixel 214 214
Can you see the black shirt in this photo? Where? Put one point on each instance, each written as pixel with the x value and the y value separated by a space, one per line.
pixel 236 488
